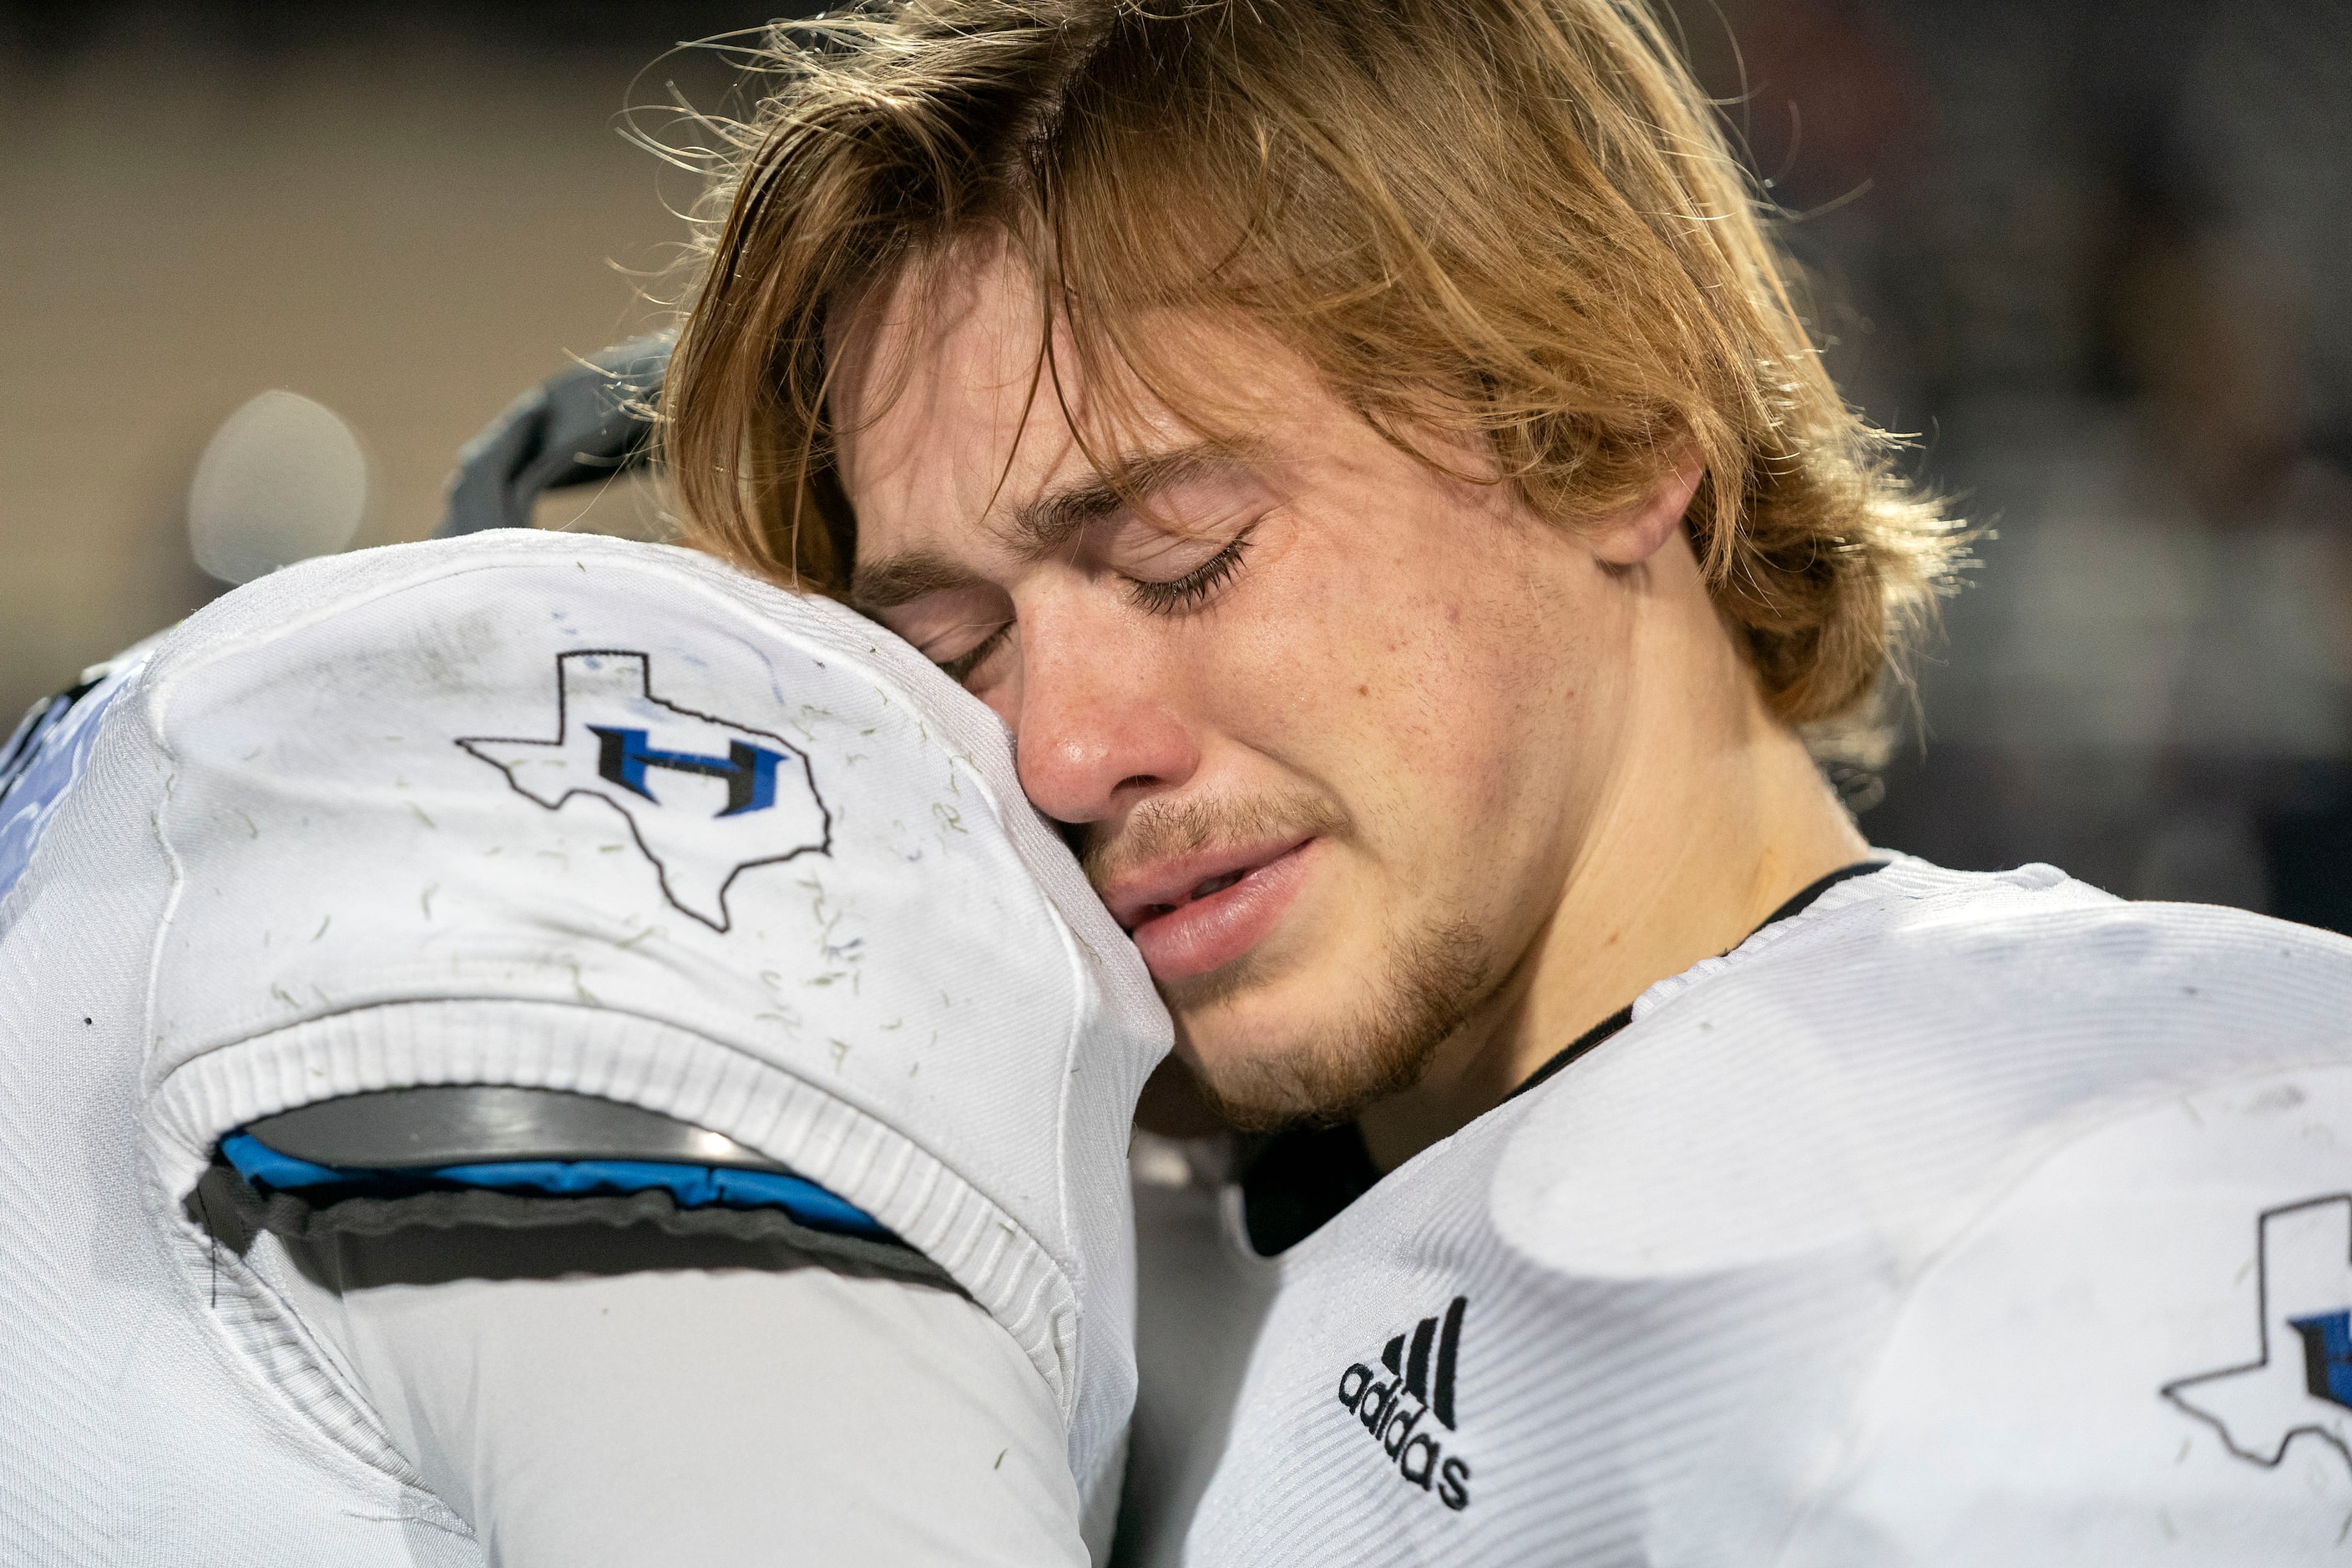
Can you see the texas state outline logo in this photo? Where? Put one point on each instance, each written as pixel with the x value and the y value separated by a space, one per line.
pixel 706 798
pixel 2300 1380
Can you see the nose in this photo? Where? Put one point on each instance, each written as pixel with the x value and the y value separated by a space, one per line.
pixel 1094 732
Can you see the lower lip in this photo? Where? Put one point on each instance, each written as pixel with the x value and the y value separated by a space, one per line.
pixel 1209 933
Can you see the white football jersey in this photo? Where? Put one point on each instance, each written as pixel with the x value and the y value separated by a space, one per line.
pixel 1959 1219
pixel 524 809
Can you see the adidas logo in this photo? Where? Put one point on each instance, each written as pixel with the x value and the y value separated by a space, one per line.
pixel 1419 1389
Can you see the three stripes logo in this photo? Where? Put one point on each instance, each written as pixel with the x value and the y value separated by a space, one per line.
pixel 1403 1412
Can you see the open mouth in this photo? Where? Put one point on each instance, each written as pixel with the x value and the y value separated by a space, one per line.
pixel 1194 918
pixel 1213 885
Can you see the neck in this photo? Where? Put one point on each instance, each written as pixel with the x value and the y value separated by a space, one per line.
pixel 1716 815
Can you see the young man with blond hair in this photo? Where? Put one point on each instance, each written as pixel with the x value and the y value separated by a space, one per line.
pixel 1369 458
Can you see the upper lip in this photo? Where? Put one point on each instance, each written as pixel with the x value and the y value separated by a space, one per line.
pixel 1172 882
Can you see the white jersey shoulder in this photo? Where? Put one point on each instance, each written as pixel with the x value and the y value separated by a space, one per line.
pixel 1916 1035
pixel 2140 1352
pixel 571 813
pixel 1825 1216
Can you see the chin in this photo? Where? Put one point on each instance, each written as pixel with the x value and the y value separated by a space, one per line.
pixel 1270 1052
pixel 1264 1053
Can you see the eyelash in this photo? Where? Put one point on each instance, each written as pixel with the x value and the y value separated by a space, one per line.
pixel 1183 593
pixel 958 669
pixel 1158 598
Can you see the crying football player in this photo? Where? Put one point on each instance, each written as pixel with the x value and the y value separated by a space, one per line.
pixel 1369 458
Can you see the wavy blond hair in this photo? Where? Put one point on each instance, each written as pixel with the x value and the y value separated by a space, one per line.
pixel 1512 220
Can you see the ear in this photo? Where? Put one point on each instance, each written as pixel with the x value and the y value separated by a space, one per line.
pixel 1642 529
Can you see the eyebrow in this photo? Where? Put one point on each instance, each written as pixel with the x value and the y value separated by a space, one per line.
pixel 1046 525
pixel 902 579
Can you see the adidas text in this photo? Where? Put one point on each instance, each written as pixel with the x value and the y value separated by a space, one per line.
pixel 1403 1412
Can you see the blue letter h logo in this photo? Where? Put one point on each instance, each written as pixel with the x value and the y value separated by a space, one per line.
pixel 623 756
pixel 2327 1355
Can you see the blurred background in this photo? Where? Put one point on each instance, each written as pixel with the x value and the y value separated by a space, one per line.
pixel 2092 257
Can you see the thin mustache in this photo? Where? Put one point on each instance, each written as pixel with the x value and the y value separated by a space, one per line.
pixel 1166 829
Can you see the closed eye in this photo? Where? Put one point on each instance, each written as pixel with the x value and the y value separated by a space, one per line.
pixel 1194 587
pixel 960 667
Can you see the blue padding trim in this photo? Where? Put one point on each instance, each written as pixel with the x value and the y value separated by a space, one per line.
pixel 693 1186
pixel 263 1166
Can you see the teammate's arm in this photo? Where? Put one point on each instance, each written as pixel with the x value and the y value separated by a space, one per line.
pixel 587 1394
pixel 628 1358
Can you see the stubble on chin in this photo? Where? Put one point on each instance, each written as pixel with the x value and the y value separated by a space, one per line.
pixel 1431 980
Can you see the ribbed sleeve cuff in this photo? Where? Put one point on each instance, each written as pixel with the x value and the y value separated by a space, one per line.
pixel 659 1067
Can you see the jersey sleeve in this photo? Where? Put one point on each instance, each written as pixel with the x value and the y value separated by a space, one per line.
pixel 599 1394
pixel 2138 1353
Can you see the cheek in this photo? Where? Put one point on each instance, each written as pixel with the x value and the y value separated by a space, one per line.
pixel 1437 695
pixel 1326 666
pixel 1476 702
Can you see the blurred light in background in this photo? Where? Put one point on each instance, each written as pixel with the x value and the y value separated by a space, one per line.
pixel 2094 255
pixel 408 213
pixel 282 480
